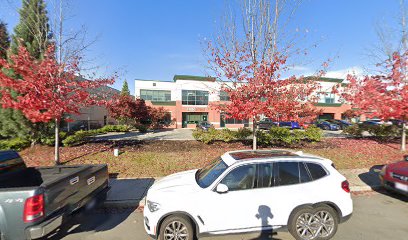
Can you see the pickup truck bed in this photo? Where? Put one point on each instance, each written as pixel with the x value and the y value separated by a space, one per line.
pixel 63 189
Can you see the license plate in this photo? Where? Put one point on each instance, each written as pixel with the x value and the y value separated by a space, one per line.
pixel 401 186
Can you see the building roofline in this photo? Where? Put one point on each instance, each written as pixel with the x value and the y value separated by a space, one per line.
pixel 193 78
pixel 325 79
pixel 150 80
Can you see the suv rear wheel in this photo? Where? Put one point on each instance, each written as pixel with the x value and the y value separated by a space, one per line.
pixel 311 223
pixel 176 228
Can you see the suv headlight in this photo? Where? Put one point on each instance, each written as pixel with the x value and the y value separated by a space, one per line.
pixel 153 206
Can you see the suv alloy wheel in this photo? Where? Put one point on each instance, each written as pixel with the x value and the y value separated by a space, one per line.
pixel 314 223
pixel 176 228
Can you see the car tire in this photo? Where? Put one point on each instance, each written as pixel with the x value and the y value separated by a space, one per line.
pixel 304 223
pixel 179 226
pixel 326 128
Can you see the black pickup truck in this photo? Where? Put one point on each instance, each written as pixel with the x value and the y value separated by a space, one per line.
pixel 36 201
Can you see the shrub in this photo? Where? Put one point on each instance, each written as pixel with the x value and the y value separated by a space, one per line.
pixel 78 137
pixel 142 128
pixel 225 135
pixel 50 141
pixel 263 138
pixel 383 131
pixel 114 128
pixel 354 131
pixel 14 143
pixel 243 133
pixel 279 134
pixel 313 134
pixel 205 137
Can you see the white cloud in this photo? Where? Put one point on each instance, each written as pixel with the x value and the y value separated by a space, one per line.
pixel 342 73
pixel 299 68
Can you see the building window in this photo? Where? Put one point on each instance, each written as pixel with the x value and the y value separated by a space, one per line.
pixel 236 121
pixel 194 97
pixel 224 96
pixel 326 97
pixel 155 95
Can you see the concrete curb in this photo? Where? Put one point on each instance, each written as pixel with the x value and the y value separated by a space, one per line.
pixel 356 189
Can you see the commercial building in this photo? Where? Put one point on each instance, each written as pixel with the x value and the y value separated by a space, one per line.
pixel 187 99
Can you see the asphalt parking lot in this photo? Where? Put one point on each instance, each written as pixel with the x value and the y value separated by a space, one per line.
pixel 376 216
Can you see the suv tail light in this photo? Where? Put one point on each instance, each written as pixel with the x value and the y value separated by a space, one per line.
pixel 33 208
pixel 345 186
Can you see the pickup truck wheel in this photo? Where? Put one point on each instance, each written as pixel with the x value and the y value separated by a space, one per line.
pixel 176 228
pixel 319 223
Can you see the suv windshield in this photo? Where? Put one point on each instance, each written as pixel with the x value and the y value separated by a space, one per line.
pixel 207 175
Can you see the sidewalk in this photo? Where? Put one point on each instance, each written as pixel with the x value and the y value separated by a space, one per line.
pixel 132 192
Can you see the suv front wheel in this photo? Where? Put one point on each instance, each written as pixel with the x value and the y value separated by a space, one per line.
pixel 176 228
pixel 310 223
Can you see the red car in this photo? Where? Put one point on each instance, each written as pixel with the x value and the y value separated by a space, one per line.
pixel 394 177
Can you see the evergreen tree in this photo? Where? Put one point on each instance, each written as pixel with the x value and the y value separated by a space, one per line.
pixel 33 30
pixel 4 40
pixel 125 89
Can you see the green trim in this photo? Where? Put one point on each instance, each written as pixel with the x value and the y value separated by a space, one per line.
pixel 328 104
pixel 325 79
pixel 170 103
pixel 194 78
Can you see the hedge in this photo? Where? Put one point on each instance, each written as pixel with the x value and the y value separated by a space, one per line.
pixel 14 143
pixel 80 137
pixel 225 135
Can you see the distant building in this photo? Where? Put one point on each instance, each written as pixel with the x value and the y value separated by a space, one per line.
pixel 188 99
pixel 91 117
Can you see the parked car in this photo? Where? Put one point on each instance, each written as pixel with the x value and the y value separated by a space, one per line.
pixel 306 125
pixel 246 191
pixel 266 124
pixel 373 122
pixel 394 177
pixel 290 125
pixel 325 125
pixel 398 122
pixel 342 123
pixel 36 201
pixel 204 125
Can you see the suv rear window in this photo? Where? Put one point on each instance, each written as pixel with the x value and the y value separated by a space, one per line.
pixel 316 170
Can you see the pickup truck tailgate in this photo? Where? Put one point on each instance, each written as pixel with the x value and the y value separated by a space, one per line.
pixel 71 191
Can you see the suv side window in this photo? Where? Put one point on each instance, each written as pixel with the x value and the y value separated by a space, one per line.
pixel 316 170
pixel 288 173
pixel 240 178
pixel 292 173
pixel 303 174
pixel 265 175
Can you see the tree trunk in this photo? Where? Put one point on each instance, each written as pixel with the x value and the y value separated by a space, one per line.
pixel 254 134
pixel 56 156
pixel 403 139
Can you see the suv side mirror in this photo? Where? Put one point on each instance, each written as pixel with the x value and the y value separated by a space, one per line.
pixel 221 188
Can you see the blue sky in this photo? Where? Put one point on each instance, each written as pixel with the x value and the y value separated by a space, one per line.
pixel 156 39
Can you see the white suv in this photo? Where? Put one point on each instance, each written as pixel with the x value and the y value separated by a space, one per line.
pixel 246 191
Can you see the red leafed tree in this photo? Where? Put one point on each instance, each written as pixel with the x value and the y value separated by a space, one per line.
pixel 45 90
pixel 384 95
pixel 127 110
pixel 248 58
pixel 157 116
